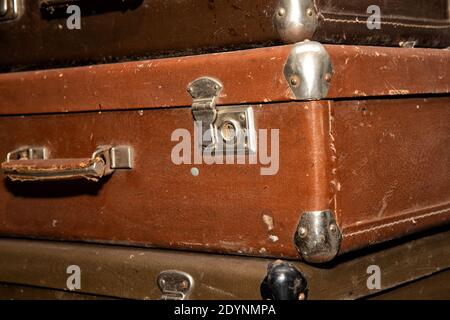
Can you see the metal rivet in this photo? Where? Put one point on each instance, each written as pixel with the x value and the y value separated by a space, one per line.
pixel 309 12
pixel 242 116
pixel 333 228
pixel 301 296
pixel 294 81
pixel 302 232
pixel 328 77
pixel 281 12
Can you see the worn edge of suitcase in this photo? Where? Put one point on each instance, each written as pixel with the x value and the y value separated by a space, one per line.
pixel 132 273
pixel 338 72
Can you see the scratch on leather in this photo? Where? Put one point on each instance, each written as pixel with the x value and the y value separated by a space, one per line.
pixel 387 196
pixel 336 186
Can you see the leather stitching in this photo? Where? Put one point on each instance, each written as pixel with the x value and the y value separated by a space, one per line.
pixel 396 24
pixel 387 225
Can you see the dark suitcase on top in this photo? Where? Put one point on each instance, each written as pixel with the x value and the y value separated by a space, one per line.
pixel 35 34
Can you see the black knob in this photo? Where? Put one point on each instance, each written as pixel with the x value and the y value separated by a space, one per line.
pixel 284 282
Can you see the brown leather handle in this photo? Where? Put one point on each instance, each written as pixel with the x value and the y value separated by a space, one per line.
pixel 55 169
pixel 31 164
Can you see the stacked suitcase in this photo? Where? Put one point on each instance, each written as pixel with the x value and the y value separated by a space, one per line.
pixel 274 136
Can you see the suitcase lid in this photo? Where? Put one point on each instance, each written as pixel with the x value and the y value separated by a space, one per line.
pixel 305 71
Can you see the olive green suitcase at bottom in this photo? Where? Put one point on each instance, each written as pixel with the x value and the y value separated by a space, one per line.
pixel 30 269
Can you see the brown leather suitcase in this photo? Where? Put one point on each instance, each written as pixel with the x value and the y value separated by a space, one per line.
pixel 34 33
pixel 333 148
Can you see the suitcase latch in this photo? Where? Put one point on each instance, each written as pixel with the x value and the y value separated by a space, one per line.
pixel 204 92
pixel 226 130
pixel 175 285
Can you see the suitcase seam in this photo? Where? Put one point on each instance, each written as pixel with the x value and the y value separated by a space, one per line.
pixel 391 224
pixel 396 24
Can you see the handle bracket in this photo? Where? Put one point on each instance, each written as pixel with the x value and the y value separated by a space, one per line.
pixel 28 153
pixel 32 164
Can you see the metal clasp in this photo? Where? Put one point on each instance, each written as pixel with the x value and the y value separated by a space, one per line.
pixel 226 130
pixel 175 285
pixel 204 92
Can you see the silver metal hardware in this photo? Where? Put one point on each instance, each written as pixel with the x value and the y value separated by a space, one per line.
pixel 204 92
pixel 295 20
pixel 309 71
pixel 235 129
pixel 226 130
pixel 175 285
pixel 28 153
pixel 121 157
pixel 318 237
pixel 3 7
pixel 9 9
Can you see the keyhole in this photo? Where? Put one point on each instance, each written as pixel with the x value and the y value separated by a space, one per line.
pixel 228 131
